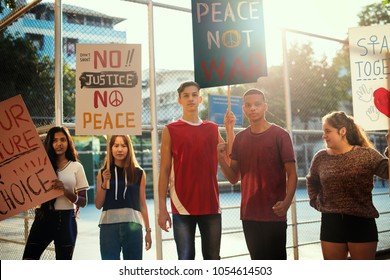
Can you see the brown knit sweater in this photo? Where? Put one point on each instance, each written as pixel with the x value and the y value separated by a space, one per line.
pixel 343 183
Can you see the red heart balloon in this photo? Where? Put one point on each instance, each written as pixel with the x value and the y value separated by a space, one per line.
pixel 382 101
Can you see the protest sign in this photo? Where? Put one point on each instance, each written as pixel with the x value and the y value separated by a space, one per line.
pixel 108 89
pixel 369 56
pixel 218 105
pixel 229 42
pixel 25 169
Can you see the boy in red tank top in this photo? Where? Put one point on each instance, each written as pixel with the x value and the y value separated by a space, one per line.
pixel 189 148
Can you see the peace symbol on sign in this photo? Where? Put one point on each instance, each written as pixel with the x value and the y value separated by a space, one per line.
pixel 116 98
pixel 231 38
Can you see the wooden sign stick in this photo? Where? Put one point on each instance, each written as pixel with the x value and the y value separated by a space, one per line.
pixel 108 156
pixel 229 99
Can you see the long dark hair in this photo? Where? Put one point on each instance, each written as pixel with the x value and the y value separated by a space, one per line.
pixel 70 154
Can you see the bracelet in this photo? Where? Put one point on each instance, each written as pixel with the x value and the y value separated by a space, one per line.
pixel 148 229
pixel 77 199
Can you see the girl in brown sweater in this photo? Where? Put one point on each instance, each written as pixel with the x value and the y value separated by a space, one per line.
pixel 340 184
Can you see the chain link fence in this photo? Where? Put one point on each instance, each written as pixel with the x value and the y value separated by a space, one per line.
pixel 318 82
pixel 13 236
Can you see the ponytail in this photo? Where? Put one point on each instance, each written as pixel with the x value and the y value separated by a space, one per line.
pixel 354 133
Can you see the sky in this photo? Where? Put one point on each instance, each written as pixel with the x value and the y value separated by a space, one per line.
pixel 173 31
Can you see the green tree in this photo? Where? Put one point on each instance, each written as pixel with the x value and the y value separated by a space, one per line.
pixel 25 73
pixel 341 65
pixel 312 85
pixel 11 4
pixel 316 87
pixel 18 60
pixel 273 87
pixel 39 96
pixel 69 92
pixel 375 14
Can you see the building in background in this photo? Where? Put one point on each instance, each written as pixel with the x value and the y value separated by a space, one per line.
pixel 79 25
pixel 167 82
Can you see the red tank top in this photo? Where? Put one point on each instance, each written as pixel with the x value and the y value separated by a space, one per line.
pixel 194 151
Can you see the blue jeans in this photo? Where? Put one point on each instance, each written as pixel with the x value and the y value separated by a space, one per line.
pixel 125 237
pixel 210 228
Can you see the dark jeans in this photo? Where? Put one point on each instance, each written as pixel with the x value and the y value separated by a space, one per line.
pixel 59 226
pixel 125 237
pixel 266 240
pixel 210 228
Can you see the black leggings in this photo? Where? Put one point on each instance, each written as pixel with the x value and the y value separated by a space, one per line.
pixel 58 226
pixel 266 240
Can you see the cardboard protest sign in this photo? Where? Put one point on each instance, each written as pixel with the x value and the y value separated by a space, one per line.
pixel 229 42
pixel 108 89
pixel 370 60
pixel 25 169
pixel 218 105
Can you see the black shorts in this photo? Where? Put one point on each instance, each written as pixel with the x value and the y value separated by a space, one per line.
pixel 341 228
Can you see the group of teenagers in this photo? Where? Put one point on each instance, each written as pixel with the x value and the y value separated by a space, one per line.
pixel 261 157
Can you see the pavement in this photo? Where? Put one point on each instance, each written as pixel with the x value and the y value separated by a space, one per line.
pixel 233 246
pixel 87 244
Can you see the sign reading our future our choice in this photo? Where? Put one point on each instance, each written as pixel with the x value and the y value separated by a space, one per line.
pixel 108 89
pixel 370 69
pixel 26 173
pixel 228 41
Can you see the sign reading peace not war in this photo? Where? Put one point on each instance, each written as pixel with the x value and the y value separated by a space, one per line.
pixel 108 89
pixel 25 169
pixel 228 40
pixel 370 69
